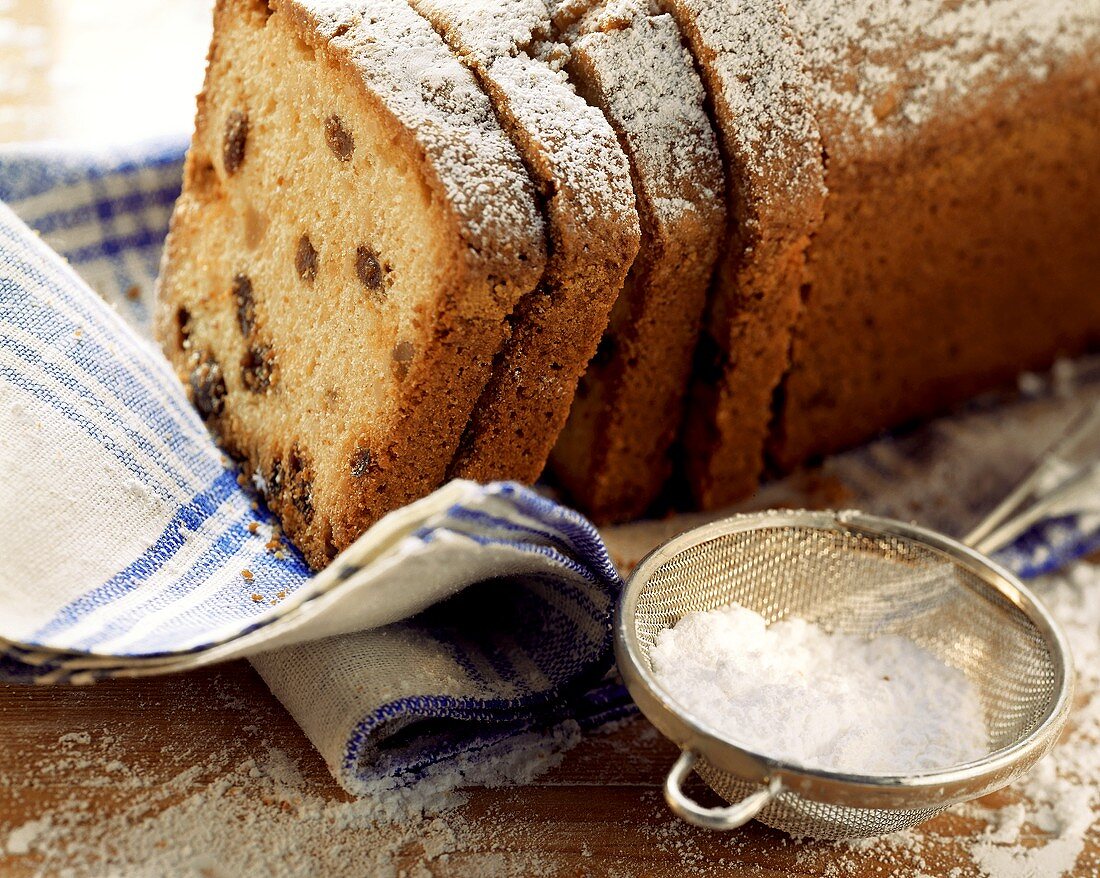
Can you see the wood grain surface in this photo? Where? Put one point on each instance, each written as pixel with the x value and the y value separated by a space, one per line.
pixel 598 813
pixel 91 777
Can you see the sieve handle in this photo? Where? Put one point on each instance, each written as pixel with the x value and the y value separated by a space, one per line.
pixel 727 817
pixel 1066 481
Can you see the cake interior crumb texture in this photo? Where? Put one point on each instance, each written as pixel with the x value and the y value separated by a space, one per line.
pixel 353 231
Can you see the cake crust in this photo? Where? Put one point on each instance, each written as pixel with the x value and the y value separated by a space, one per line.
pixel 576 161
pixel 974 138
pixel 752 66
pixel 612 456
pixel 360 359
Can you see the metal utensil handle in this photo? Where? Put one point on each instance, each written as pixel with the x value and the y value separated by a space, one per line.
pixel 725 817
pixel 1065 481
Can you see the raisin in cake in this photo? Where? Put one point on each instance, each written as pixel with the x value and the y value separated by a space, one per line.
pixel 612 456
pixel 584 178
pixel 354 229
pixel 753 69
pixel 961 235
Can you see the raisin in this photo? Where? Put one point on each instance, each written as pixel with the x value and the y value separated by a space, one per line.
pixel 361 462
pixel 710 360
pixel 300 483
pixel 208 388
pixel 605 351
pixel 257 368
pixel 183 326
pixel 236 138
pixel 246 304
pixel 305 259
pixel 403 353
pixel 369 269
pixel 339 139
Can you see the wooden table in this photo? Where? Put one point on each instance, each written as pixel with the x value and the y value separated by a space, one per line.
pixel 205 773
pixel 86 756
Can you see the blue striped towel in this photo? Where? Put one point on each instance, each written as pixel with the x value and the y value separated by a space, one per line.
pixel 124 532
pixel 479 613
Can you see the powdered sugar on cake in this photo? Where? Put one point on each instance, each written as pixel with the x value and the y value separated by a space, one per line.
pixel 655 96
pixel 886 67
pixel 571 138
pixel 449 113
pixel 760 89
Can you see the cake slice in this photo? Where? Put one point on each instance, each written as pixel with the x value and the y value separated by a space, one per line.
pixel 575 159
pixel 753 70
pixel 612 456
pixel 353 232
pixel 960 242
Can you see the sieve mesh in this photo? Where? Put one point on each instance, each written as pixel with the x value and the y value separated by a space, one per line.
pixel 867 585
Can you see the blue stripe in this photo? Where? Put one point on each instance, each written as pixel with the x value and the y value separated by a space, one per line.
pixel 54 275
pixel 232 602
pixel 74 216
pixel 189 517
pixel 201 462
pixel 24 176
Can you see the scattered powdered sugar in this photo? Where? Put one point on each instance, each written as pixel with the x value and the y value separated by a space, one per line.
pixel 829 700
pixel 1060 797
pixel 1041 832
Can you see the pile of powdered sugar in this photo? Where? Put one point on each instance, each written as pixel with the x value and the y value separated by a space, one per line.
pixel 827 700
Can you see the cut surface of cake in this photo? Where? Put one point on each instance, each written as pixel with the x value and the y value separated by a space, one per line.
pixel 575 159
pixel 753 69
pixel 961 237
pixel 354 230
pixel 612 456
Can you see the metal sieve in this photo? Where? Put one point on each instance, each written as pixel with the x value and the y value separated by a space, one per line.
pixel 868 576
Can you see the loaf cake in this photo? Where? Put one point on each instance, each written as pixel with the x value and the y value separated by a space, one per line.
pixel 354 231
pixel 583 176
pixel 612 456
pixel 961 235
pixel 405 222
pixel 752 65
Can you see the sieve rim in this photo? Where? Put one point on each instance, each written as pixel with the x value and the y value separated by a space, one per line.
pixel 938 788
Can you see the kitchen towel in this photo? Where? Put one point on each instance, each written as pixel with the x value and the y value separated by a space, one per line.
pixel 129 544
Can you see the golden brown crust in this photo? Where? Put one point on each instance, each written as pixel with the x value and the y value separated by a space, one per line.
pixel 575 159
pixel 752 66
pixel 612 455
pixel 990 265
pixel 329 462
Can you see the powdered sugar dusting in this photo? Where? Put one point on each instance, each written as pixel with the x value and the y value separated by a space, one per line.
pixel 568 145
pixel 651 93
pixel 886 67
pixel 750 58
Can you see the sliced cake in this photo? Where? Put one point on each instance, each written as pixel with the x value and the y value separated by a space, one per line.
pixel 583 176
pixel 612 456
pixel 960 240
pixel 354 230
pixel 758 90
